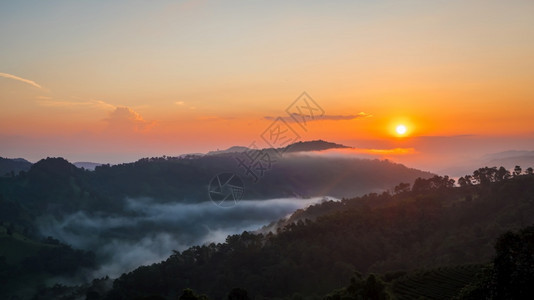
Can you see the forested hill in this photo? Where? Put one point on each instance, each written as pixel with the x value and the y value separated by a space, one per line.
pixel 430 224
pixel 12 166
pixel 55 186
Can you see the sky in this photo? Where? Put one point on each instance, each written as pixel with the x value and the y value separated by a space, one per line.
pixel 116 81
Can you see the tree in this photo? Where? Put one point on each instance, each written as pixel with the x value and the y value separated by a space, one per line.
pixel 502 174
pixel 434 183
pixel 529 171
pixel 188 294
pixel 514 265
pixel 402 188
pixel 517 171
pixel 238 294
pixel 374 288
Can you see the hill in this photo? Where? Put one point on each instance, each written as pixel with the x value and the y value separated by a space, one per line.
pixel 12 166
pixel 185 179
pixel 317 145
pixel 432 225
pixel 301 146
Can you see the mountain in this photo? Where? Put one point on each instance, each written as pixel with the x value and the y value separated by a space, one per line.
pixel 233 149
pixel 302 146
pixel 265 174
pixel 317 145
pixel 432 228
pixel 162 202
pixel 15 165
pixel 508 159
pixel 187 179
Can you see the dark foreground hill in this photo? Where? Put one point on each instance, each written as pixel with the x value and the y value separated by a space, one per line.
pixel 432 225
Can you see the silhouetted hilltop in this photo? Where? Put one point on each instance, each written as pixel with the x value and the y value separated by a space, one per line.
pixel 233 149
pixel 317 145
pixel 12 166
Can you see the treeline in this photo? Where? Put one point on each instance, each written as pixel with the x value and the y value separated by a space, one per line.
pixel 431 225
pixel 488 175
pixel 55 186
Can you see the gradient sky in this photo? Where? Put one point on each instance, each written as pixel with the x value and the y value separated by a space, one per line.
pixel 117 81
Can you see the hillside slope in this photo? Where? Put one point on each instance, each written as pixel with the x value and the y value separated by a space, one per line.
pixel 423 228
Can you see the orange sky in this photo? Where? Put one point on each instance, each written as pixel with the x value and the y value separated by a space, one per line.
pixel 115 82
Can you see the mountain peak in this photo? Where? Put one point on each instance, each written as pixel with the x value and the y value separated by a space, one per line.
pixel 53 165
pixel 316 145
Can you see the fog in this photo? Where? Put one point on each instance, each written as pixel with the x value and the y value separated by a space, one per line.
pixel 147 232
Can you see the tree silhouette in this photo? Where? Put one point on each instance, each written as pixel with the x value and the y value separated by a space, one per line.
pixel 188 294
pixel 517 171
pixel 514 265
pixel 238 294
pixel 402 188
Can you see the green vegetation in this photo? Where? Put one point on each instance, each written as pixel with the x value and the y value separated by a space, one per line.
pixel 25 264
pixel 434 225
pixel 11 167
pixel 15 247
pixel 428 239
pixel 440 283
pixel 55 186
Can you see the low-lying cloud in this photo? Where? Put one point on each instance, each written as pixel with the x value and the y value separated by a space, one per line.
pixel 146 232
pixel 360 153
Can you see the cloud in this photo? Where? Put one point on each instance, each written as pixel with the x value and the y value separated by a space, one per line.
pixel 146 231
pixel 359 115
pixel 182 103
pixel 49 102
pixel 123 119
pixel 360 152
pixel 30 82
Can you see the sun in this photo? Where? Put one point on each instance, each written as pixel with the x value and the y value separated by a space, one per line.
pixel 401 129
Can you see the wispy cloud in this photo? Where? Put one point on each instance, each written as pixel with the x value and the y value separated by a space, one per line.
pixel 49 102
pixel 359 115
pixel 30 82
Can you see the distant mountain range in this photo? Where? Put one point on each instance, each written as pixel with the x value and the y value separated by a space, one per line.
pixel 20 164
pixel 508 159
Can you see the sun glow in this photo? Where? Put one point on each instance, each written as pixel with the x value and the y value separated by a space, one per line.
pixel 401 129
